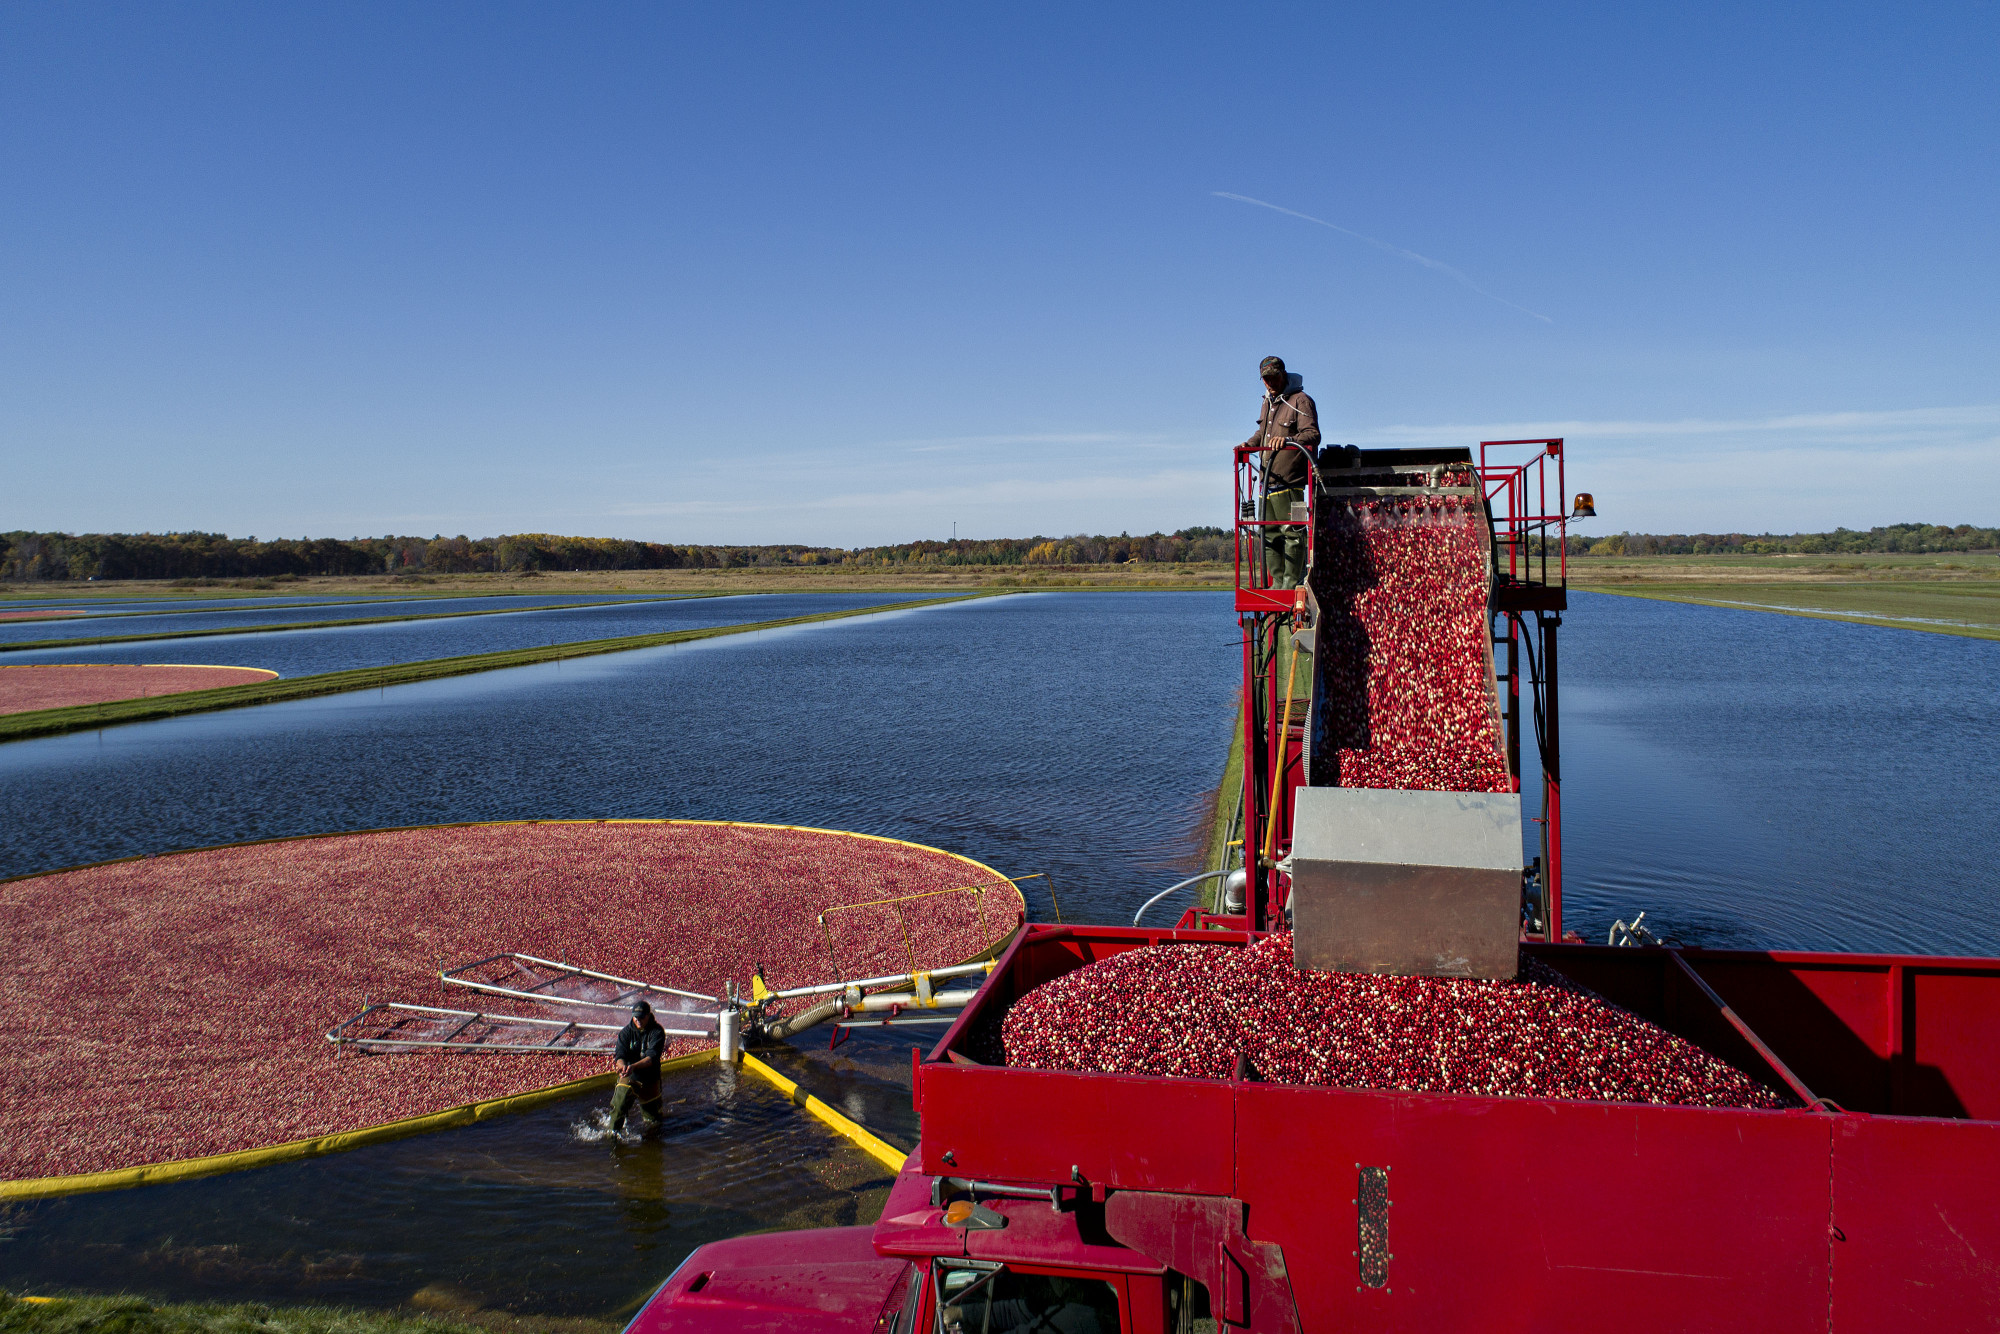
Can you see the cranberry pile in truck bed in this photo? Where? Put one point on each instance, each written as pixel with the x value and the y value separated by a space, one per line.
pixel 1190 1010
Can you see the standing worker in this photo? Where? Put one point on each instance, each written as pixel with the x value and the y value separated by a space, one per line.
pixel 1287 431
pixel 641 1044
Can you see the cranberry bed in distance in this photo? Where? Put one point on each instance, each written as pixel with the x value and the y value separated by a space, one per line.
pixel 63 685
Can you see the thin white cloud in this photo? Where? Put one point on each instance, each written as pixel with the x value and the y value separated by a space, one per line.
pixel 1911 424
pixel 1000 491
pixel 1788 472
pixel 1435 264
pixel 946 443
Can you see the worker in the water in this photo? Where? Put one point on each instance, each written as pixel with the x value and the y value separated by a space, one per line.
pixel 641 1044
pixel 1287 432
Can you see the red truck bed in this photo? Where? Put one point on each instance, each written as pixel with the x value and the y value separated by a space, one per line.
pixel 1091 1202
pixel 1877 1210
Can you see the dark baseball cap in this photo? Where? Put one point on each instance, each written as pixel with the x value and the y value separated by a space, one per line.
pixel 640 1009
pixel 1271 366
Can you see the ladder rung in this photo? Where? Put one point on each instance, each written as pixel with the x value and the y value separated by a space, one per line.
pixel 469 1022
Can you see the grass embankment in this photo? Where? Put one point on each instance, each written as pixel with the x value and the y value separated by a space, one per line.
pixel 1954 593
pixel 1209 576
pixel 1222 819
pixel 86 717
pixel 1222 824
pixel 94 641
pixel 1219 848
pixel 133 1315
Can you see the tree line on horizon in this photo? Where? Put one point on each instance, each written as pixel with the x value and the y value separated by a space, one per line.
pixel 32 557
pixel 1908 538
pixel 28 556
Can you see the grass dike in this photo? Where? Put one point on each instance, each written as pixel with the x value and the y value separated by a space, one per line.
pixel 916 579
pixel 432 1310
pixel 88 717
pixel 1951 593
pixel 95 641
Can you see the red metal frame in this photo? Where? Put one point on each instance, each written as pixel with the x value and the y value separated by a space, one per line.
pixel 1517 495
pixel 1524 523
pixel 1256 594
pixel 1257 604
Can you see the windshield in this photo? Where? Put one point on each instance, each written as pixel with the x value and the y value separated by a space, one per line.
pixel 996 1300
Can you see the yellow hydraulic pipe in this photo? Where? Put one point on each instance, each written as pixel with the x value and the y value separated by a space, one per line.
pixel 864 1139
pixel 1278 760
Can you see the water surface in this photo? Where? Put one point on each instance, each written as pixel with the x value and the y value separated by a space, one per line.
pixel 1778 782
pixel 1749 779
pixel 340 648
pixel 230 618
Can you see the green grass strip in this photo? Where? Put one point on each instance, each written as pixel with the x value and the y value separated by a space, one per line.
pixel 1715 598
pixel 331 625
pixel 170 609
pixel 1216 852
pixel 93 1314
pixel 1222 816
pixel 86 717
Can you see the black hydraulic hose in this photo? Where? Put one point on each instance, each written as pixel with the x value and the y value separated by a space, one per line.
pixel 1535 689
pixel 804 1019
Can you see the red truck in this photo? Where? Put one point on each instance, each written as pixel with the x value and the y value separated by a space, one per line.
pixel 1086 1203
pixel 1063 1201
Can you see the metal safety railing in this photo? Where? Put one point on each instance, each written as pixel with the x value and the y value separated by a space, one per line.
pixel 1254 526
pixel 1525 522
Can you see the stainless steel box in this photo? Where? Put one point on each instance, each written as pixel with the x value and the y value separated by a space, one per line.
pixel 1418 883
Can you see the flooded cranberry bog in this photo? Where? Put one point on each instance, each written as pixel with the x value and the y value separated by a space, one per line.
pixel 956 728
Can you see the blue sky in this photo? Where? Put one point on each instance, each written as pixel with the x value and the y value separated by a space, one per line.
pixel 851 273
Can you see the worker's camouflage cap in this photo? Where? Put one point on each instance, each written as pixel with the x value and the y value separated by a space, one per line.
pixel 1271 366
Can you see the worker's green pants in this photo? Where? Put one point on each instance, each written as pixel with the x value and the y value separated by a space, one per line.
pixel 646 1093
pixel 1285 544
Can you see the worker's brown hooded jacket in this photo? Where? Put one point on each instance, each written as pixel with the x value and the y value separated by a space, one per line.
pixel 1291 415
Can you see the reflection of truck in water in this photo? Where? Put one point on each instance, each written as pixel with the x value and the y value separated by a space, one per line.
pixel 1089 1200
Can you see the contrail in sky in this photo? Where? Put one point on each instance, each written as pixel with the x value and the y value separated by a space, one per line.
pixel 1424 260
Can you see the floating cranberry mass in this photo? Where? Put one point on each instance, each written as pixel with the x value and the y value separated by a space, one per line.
pixel 173 1007
pixel 1401 584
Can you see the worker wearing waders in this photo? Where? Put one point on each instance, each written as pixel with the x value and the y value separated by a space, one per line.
pixel 641 1044
pixel 1287 431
